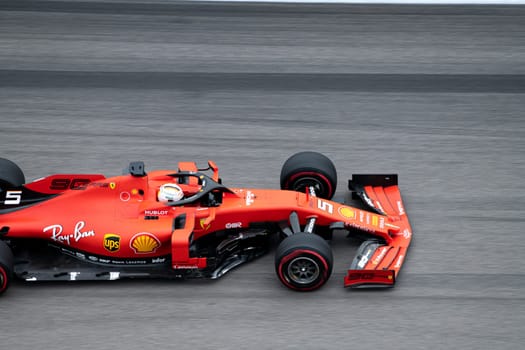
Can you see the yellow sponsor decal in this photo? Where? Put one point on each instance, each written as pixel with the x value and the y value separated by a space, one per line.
pixel 112 185
pixel 112 242
pixel 144 243
pixel 375 220
pixel 347 212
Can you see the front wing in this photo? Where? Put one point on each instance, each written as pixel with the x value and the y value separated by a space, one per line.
pixel 378 261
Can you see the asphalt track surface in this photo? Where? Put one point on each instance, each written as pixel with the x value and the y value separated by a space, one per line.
pixel 435 94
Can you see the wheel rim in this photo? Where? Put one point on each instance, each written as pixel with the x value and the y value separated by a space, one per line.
pixel 302 184
pixel 303 270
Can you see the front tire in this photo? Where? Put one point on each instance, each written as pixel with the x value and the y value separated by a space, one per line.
pixel 303 262
pixel 309 169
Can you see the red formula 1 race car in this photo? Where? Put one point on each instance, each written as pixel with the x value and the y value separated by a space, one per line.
pixel 185 223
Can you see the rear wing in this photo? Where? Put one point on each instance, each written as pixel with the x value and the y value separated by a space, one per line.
pixel 378 261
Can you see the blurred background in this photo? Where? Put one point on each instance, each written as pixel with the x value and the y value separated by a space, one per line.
pixel 433 93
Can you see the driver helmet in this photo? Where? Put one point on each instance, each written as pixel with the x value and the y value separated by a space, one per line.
pixel 170 193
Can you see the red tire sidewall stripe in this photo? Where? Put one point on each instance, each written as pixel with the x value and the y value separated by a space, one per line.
pixel 295 254
pixel 5 279
pixel 311 173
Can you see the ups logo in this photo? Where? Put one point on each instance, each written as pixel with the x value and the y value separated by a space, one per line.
pixel 111 242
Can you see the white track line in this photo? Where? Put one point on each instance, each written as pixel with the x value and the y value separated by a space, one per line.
pixel 388 2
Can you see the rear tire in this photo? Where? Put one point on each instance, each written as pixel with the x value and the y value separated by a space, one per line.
pixel 309 169
pixel 10 175
pixel 303 262
pixel 6 266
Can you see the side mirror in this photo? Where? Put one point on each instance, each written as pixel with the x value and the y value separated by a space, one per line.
pixel 215 170
pixel 137 169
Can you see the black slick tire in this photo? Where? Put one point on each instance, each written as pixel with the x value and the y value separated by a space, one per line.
pixel 6 266
pixel 309 169
pixel 10 175
pixel 303 262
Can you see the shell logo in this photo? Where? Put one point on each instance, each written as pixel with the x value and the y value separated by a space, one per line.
pixel 144 243
pixel 347 212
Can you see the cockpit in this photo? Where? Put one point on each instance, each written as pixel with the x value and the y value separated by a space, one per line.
pixel 187 187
